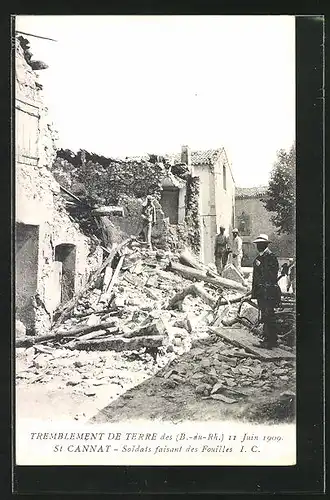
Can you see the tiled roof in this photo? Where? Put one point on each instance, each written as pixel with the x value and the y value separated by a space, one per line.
pixel 137 159
pixel 198 157
pixel 253 192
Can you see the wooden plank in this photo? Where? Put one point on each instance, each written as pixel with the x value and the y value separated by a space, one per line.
pixel 241 337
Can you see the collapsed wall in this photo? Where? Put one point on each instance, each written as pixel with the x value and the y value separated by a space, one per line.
pixel 127 182
pixel 53 257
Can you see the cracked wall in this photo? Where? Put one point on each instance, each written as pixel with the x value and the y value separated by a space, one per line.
pixel 39 204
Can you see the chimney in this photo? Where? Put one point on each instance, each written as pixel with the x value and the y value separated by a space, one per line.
pixel 186 155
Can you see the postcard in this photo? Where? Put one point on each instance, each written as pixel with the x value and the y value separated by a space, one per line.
pixel 155 238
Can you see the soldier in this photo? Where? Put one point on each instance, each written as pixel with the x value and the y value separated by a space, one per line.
pixel 266 290
pixel 221 250
pixel 149 219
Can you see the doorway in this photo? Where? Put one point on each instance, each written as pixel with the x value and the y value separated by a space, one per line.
pixel 66 254
pixel 170 203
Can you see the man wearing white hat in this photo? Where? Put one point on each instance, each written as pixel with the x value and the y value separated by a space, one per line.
pixel 237 250
pixel 266 290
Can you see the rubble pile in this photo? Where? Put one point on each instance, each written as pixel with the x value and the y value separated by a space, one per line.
pixel 84 372
pixel 223 372
pixel 148 316
pixel 131 307
pixel 139 310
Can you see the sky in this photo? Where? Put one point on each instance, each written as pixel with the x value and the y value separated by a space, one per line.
pixel 132 85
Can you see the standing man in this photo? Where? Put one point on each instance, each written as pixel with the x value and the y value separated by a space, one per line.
pixel 237 249
pixel 221 250
pixel 266 290
pixel 149 219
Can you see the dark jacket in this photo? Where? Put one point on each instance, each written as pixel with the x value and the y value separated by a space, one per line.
pixel 264 281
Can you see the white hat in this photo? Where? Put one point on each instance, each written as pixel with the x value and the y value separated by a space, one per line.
pixel 262 238
pixel 235 230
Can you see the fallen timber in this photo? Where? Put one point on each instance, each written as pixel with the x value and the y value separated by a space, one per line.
pixel 187 259
pixel 245 339
pixel 191 273
pixel 75 332
pixel 195 290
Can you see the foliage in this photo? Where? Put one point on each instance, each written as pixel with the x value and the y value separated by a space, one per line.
pixel 280 197
pixel 192 213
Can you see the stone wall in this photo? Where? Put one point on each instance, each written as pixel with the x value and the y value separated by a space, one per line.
pixel 107 179
pixel 259 222
pixel 217 204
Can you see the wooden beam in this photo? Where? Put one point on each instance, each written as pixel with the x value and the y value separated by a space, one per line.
pixel 241 337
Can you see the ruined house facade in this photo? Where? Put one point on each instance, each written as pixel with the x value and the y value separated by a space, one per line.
pixel 53 259
pixel 214 192
pixel 252 218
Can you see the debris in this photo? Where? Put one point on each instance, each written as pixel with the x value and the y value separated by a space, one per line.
pixel 221 397
pixel 75 332
pixel 244 338
pixel 108 272
pixel 154 328
pixel 74 380
pixel 204 389
pixel 44 349
pixel 195 290
pixel 119 343
pixel 115 274
pixel 230 272
pixel 93 320
pixel 66 308
pixel 169 384
pixel 94 335
pixel 191 273
pixel 187 259
pixel 217 387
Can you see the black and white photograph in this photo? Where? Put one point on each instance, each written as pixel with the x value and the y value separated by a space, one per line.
pixel 155 241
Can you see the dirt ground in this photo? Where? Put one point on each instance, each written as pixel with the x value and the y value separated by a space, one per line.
pixel 181 390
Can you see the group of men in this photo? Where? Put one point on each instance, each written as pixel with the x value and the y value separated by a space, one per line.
pixel 223 249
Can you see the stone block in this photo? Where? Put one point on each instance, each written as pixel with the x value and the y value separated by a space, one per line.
pixel 249 312
pixel 231 273
pixel 119 344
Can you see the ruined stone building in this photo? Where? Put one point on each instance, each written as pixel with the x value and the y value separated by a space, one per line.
pixel 214 194
pixel 53 258
pixel 252 218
